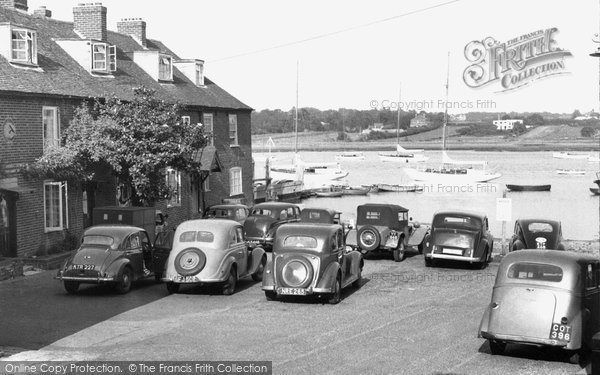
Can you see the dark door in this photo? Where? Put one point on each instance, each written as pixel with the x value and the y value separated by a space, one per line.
pixel 8 221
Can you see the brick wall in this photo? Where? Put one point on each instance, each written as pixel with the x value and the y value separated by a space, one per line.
pixel 15 4
pixel 135 27
pixel 90 21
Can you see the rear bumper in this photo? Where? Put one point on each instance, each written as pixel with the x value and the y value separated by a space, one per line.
pixel 86 280
pixel 309 291
pixel 524 340
pixel 459 258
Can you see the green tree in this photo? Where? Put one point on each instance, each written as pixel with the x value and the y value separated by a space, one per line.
pixel 136 140
pixel 588 131
pixel 519 128
pixel 575 114
pixel 534 119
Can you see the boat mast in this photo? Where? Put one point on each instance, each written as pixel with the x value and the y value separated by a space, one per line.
pixel 296 115
pixel 398 124
pixel 446 106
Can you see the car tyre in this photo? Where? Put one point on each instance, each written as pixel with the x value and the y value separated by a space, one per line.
pixel 336 296
pixel 229 285
pixel 270 295
pixel 71 286
pixel 481 265
pixel 376 237
pixel 258 275
pixel 173 288
pixel 399 252
pixel 497 347
pixel 124 284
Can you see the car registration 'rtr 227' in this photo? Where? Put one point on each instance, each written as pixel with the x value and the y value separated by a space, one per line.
pixel 85 267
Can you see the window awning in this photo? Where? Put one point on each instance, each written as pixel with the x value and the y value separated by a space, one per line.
pixel 11 185
pixel 208 158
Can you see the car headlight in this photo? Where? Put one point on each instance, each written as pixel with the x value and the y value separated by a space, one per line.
pixel 295 273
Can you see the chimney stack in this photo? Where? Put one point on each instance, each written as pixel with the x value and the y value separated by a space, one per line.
pixel 134 27
pixel 15 4
pixel 42 12
pixel 90 20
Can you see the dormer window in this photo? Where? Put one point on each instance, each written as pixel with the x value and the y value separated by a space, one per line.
pixel 104 58
pixel 199 75
pixel 165 68
pixel 24 46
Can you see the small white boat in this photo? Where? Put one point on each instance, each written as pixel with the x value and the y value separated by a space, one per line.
pixel 453 172
pixel 570 172
pixel 350 156
pixel 569 155
pixel 403 155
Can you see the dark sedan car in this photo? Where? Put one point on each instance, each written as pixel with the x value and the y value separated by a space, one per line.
pixel 111 254
pixel 311 259
pixel 265 218
pixel 236 212
pixel 537 234
pixel 460 236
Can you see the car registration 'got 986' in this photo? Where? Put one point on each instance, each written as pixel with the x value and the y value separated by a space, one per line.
pixel 561 332
pixel 84 267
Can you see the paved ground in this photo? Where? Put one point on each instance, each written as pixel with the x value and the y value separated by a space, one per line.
pixel 405 319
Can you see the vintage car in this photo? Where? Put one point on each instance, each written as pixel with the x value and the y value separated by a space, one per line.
pixel 385 227
pixel 544 298
pixel 311 259
pixel 237 212
pixel 212 252
pixel 536 234
pixel 461 236
pixel 112 254
pixel 265 218
pixel 320 216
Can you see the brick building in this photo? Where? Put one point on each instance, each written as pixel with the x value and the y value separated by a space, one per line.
pixel 48 68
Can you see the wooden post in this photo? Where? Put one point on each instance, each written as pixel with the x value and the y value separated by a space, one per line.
pixel 503 250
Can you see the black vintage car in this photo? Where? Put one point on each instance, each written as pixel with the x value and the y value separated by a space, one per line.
pixel 265 218
pixel 320 216
pixel 116 255
pixel 311 259
pixel 536 234
pixel 236 212
pixel 460 236
pixel 385 227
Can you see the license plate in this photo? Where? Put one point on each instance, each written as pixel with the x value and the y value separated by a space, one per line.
pixel 292 291
pixel 186 279
pixel 561 332
pixel 84 267
pixel 452 251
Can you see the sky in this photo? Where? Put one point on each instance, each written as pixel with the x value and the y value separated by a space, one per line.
pixel 369 54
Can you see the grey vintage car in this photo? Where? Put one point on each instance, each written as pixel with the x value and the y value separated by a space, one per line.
pixel 544 298
pixel 112 254
pixel 459 236
pixel 265 218
pixel 537 234
pixel 237 212
pixel 311 259
pixel 212 252
pixel 386 227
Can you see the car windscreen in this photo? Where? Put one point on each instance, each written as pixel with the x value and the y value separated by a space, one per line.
pixel 196 236
pixel 457 220
pixel 97 240
pixel 535 271
pixel 452 239
pixel 220 212
pixel 304 242
pixel 540 228
pixel 262 212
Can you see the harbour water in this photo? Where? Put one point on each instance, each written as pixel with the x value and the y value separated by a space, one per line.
pixel 569 200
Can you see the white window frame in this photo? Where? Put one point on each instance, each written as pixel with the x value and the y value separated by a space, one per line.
pixel 162 74
pixel 233 130
pixel 30 46
pixel 199 74
pixel 104 61
pixel 186 120
pixel 175 199
pixel 235 181
pixel 206 184
pixel 63 206
pixel 55 133
pixel 209 131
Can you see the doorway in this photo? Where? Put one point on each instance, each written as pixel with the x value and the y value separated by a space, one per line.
pixel 8 224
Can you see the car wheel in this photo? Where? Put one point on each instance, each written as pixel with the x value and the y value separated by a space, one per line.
pixel 258 275
pixel 481 265
pixel 270 295
pixel 358 282
pixel 172 287
pixel 336 296
pixel 428 262
pixel 71 286
pixel 124 284
pixel 399 252
pixel 229 285
pixel 368 238
pixel 497 347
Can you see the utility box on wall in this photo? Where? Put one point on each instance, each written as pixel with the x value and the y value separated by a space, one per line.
pixel 143 217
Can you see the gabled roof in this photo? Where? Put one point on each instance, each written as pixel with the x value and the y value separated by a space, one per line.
pixel 62 75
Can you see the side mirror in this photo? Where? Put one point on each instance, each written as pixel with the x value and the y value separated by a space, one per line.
pixel 416 224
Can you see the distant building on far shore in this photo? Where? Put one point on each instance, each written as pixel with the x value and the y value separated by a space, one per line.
pixel 420 120
pixel 506 124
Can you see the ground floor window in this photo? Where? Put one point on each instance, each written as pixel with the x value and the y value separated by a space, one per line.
pixel 235 181
pixel 55 206
pixel 174 183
